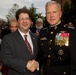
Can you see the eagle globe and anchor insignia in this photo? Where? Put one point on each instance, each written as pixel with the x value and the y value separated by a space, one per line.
pixel 62 39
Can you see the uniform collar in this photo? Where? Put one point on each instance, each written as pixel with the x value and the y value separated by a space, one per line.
pixel 56 26
pixel 22 34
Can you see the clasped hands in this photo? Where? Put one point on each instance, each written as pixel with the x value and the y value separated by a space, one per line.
pixel 32 65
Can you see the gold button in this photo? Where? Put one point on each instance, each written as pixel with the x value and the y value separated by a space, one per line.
pixel 49 48
pixel 64 72
pixel 48 56
pixel 51 32
pixel 50 40
pixel 42 44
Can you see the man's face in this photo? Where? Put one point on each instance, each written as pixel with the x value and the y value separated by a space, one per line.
pixel 53 14
pixel 39 24
pixel 24 22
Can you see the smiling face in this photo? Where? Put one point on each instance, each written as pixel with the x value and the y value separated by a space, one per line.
pixel 53 14
pixel 24 22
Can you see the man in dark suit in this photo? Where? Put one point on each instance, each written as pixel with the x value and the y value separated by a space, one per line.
pixel 15 52
pixel 57 49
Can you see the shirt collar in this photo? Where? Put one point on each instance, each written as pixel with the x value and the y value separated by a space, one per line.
pixel 22 34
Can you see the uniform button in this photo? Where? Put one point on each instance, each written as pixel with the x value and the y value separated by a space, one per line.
pixel 64 72
pixel 48 56
pixel 42 44
pixel 51 32
pixel 49 48
pixel 50 42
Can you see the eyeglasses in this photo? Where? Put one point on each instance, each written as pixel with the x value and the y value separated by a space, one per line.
pixel 24 18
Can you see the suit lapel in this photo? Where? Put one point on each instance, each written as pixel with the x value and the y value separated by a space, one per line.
pixel 20 40
pixel 34 42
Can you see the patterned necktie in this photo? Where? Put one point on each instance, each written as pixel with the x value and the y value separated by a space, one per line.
pixel 28 45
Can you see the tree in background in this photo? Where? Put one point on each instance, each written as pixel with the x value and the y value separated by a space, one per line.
pixel 12 11
pixel 65 11
pixel 32 10
pixel 69 12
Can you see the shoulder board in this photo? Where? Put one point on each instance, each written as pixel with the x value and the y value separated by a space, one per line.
pixel 69 27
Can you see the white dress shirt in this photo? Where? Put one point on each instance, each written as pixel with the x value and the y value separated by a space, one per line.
pixel 28 38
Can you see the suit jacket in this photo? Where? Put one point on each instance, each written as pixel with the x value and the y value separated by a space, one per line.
pixel 15 54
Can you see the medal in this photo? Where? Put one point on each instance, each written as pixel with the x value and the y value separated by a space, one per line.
pixel 62 39
pixel 60 52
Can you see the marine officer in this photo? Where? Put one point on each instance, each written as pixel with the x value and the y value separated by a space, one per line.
pixel 56 43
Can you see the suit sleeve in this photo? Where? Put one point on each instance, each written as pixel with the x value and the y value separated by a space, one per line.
pixel 9 59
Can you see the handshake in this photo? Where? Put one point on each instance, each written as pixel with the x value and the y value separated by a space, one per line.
pixel 32 65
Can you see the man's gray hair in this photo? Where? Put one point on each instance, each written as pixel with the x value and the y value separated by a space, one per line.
pixel 53 2
pixel 39 20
